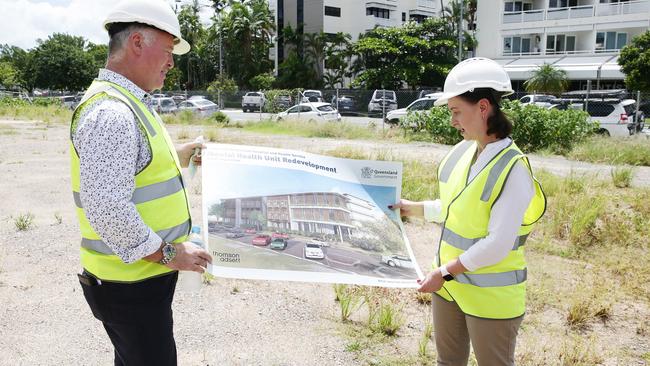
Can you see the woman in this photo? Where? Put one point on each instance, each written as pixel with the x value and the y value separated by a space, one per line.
pixel 489 201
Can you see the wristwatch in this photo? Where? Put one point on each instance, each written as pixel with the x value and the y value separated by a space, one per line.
pixel 168 252
pixel 445 273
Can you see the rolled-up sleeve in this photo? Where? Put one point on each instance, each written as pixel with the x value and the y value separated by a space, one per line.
pixel 107 143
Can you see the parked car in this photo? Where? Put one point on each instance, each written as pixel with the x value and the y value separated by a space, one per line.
pixel 382 100
pixel 164 105
pixel 234 235
pixel 68 101
pixel 310 95
pixel 541 100
pixel 203 107
pixel 397 260
pixel 346 104
pixel 313 251
pixel 159 95
pixel 614 117
pixel 178 98
pixel 193 97
pixel 278 243
pixel 280 235
pixel 422 104
pixel 322 243
pixel 262 240
pixel 310 111
pixel 250 230
pixel 283 101
pixel 253 101
pixel 424 92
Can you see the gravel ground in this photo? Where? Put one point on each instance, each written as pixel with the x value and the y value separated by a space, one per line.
pixel 44 319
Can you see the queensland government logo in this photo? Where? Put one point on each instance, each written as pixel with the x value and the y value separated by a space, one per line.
pixel 368 172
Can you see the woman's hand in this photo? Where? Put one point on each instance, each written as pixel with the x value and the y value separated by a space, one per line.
pixel 186 151
pixel 409 208
pixel 432 282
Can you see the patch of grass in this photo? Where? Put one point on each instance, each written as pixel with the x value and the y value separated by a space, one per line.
pixel 611 150
pixel 423 298
pixel 341 130
pixel 419 180
pixel 354 346
pixel 622 176
pixel 24 222
pixel 49 114
pixel 385 317
pixel 211 134
pixel 577 351
pixel 58 218
pixel 183 134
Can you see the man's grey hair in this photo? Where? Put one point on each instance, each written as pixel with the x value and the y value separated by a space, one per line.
pixel 119 37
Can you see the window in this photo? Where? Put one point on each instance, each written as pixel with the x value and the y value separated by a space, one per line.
pixel 610 41
pixel 403 16
pixel 333 11
pixel 560 43
pixel 516 45
pixel 378 12
pixel 517 6
pixel 562 3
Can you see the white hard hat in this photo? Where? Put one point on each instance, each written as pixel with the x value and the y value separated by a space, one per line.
pixel 477 72
pixel 156 13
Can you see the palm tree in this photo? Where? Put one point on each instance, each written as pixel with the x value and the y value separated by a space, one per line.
pixel 548 80
pixel 316 50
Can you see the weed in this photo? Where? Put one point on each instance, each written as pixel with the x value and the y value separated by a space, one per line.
pixel 610 150
pixel 183 134
pixel 58 218
pixel 579 313
pixel 353 347
pixel 211 134
pixel 385 318
pixel 349 301
pixel 24 222
pixel 423 298
pixel 579 352
pixel 622 176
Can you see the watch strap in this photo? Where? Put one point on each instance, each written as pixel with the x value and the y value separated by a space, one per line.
pixel 445 273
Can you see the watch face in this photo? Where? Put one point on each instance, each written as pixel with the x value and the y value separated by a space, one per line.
pixel 169 251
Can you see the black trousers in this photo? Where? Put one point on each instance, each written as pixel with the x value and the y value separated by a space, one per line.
pixel 137 317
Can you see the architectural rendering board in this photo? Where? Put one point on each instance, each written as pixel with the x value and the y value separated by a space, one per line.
pixel 278 214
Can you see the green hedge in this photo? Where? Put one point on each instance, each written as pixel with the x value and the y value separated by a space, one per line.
pixel 534 128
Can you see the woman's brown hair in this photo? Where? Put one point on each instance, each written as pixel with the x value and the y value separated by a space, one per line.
pixel 498 123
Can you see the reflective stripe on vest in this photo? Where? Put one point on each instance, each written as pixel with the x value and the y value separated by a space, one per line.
pixel 147 193
pixel 462 243
pixel 495 173
pixel 493 279
pixel 451 162
pixel 167 235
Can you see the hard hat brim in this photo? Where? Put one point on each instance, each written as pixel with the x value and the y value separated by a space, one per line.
pixel 444 98
pixel 181 48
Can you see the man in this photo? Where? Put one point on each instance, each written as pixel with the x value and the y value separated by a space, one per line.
pixel 126 178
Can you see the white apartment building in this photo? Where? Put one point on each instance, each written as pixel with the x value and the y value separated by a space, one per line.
pixel 582 37
pixel 353 17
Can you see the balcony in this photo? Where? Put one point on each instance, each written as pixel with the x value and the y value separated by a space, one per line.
pixel 632 7
pixel 584 11
pixel 373 21
pixel 577 12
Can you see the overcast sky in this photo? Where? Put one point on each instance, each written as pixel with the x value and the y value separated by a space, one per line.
pixel 22 22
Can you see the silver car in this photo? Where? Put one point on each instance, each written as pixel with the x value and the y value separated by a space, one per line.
pixel 202 107
pixel 164 105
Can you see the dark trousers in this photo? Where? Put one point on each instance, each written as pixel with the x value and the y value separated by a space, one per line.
pixel 137 317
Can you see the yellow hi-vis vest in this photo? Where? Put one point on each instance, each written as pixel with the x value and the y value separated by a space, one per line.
pixel 497 291
pixel 159 195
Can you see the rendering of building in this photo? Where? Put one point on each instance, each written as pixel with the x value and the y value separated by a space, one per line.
pixel 324 213
pixel 581 37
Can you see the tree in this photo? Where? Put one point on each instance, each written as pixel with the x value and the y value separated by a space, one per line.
pixel 222 86
pixel 8 75
pixel 548 80
pixel 451 14
pixel 296 71
pixel 635 63
pixel 262 81
pixel 19 60
pixel 62 63
pixel 418 54
pixel 316 50
pixel 246 32
pixel 337 59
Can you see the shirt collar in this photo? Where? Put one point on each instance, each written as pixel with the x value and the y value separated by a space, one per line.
pixel 121 80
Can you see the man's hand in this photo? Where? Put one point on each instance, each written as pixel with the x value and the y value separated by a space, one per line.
pixel 409 208
pixel 432 282
pixel 186 151
pixel 190 257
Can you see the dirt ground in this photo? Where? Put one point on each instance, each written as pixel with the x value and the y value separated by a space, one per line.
pixel 44 319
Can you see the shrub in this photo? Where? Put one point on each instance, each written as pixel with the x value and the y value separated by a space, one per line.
pixel 221 118
pixel 272 106
pixel 24 222
pixel 534 127
pixel 622 177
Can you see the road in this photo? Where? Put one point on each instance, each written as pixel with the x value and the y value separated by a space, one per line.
pixel 237 115
pixel 338 258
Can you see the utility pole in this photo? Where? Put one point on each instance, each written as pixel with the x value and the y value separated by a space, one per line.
pixel 461 5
